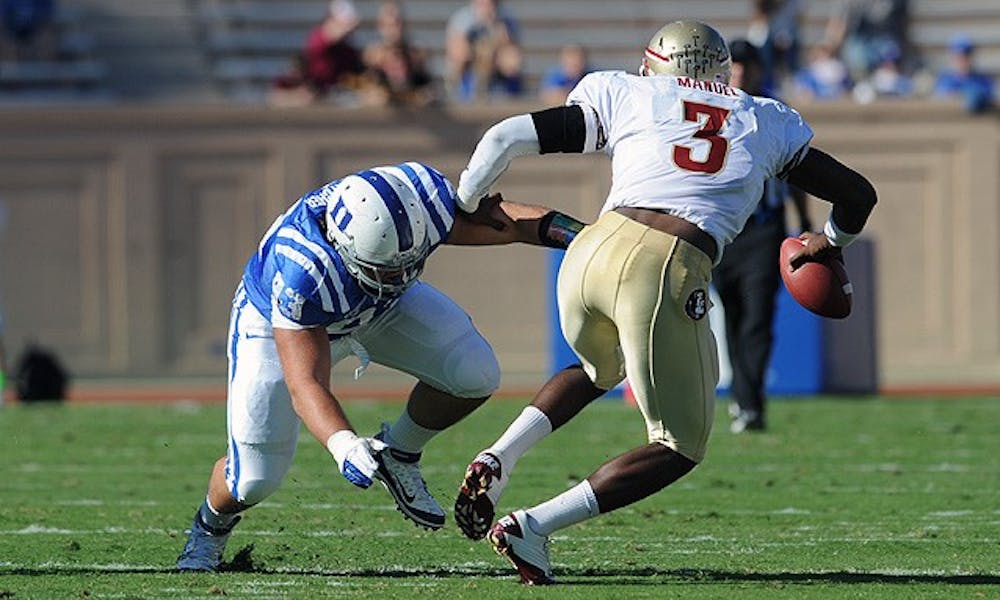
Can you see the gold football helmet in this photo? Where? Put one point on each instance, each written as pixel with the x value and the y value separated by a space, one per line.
pixel 687 48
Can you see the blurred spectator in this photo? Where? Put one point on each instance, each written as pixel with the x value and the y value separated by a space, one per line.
pixel 507 77
pixel 396 70
pixel 28 28
pixel 774 29
pixel 887 80
pixel 330 61
pixel 294 88
pixel 481 36
pixel 747 278
pixel 860 29
pixel 824 78
pixel 559 79
pixel 962 80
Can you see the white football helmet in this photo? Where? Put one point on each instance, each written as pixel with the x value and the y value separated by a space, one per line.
pixel 687 48
pixel 376 223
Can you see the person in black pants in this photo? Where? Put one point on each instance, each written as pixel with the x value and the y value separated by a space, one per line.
pixel 747 278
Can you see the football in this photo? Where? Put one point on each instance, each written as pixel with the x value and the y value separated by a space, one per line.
pixel 821 287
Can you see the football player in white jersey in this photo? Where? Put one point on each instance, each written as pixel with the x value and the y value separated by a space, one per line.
pixel 337 275
pixel 689 158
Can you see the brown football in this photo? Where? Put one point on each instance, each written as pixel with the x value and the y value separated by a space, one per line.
pixel 821 287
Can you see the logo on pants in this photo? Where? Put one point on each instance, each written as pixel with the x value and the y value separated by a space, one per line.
pixel 696 306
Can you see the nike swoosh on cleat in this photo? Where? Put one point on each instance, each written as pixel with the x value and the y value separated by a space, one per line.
pixel 395 484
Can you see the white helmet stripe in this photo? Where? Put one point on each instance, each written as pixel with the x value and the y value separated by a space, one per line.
pixel 446 196
pixel 421 179
pixel 397 211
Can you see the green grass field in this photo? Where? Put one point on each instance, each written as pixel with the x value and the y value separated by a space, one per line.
pixel 843 498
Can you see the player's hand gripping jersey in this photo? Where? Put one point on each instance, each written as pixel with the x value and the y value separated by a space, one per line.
pixel 297 280
pixel 696 149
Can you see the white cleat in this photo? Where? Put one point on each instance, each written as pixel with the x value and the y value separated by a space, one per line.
pixel 399 472
pixel 204 548
pixel 476 505
pixel 747 421
pixel 512 538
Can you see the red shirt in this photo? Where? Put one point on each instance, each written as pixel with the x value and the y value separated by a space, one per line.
pixel 326 63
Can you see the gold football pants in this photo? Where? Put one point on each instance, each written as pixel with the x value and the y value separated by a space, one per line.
pixel 633 302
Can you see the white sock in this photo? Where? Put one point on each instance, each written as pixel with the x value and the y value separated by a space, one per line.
pixel 214 518
pixel 570 507
pixel 408 436
pixel 527 430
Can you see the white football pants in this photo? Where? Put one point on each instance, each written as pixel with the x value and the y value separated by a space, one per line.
pixel 426 335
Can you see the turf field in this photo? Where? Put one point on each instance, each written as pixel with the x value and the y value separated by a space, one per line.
pixel 843 498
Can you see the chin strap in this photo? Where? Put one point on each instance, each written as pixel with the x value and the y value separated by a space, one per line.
pixel 362 353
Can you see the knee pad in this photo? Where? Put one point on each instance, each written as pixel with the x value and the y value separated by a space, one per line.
pixel 255 471
pixel 471 369
pixel 254 491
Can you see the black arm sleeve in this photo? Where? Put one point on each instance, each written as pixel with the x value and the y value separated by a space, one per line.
pixel 851 194
pixel 560 129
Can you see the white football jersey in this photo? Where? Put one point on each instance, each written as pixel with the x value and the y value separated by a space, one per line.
pixel 699 150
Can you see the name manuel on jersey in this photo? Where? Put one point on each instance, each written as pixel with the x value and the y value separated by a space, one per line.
pixel 708 86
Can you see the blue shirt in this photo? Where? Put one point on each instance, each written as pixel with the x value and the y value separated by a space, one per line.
pixel 297 280
pixel 820 88
pixel 556 78
pixel 975 89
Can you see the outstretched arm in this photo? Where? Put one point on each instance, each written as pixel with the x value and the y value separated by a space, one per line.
pixel 512 137
pixel 851 194
pixel 513 222
pixel 560 129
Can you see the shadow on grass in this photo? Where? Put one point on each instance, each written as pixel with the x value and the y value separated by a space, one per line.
pixel 570 576
pixel 641 575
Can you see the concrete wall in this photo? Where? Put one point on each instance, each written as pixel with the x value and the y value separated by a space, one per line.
pixel 124 230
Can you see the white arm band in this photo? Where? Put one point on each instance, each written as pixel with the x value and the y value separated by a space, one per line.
pixel 507 139
pixel 836 235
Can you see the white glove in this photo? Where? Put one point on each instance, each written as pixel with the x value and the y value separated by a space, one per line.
pixel 355 456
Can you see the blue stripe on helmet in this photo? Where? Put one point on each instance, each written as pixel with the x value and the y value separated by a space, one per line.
pixel 404 231
pixel 414 178
pixel 445 191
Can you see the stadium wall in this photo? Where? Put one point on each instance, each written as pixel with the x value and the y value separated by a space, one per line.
pixel 125 229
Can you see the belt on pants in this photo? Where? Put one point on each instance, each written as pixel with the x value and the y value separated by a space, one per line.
pixel 674 225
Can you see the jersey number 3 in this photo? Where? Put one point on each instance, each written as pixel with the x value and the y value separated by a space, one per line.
pixel 709 132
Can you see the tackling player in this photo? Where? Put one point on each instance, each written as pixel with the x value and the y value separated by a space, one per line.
pixel 337 275
pixel 690 155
